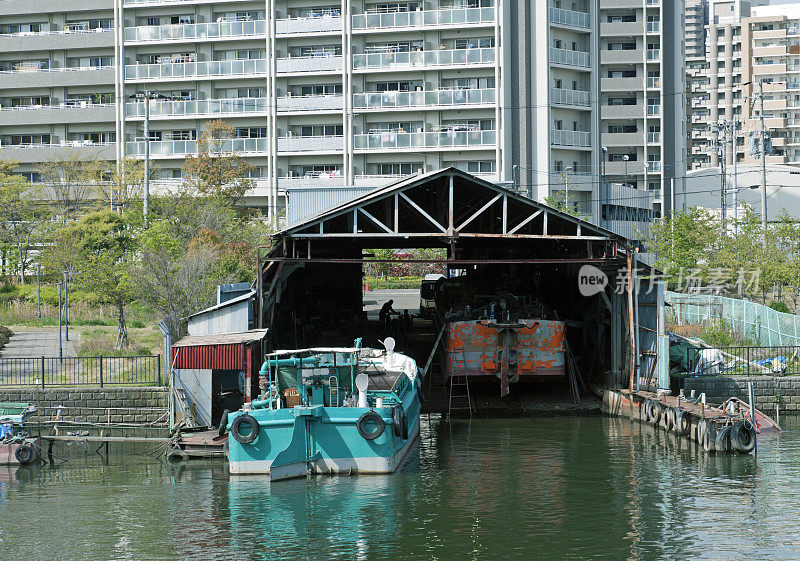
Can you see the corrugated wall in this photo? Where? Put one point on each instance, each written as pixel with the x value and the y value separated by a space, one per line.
pixel 309 201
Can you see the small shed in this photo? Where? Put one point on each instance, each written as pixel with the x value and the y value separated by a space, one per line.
pixel 212 373
pixel 227 316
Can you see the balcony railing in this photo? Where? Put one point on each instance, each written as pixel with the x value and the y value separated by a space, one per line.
pixel 193 31
pixel 560 96
pixel 289 26
pixel 450 16
pixel 570 58
pixel 653 137
pixel 184 147
pixel 653 54
pixel 301 64
pixel 406 140
pixel 653 110
pixel 653 167
pixel 654 82
pixel 311 144
pixel 571 18
pixel 35 69
pixel 212 68
pixel 653 26
pixel 311 103
pixel 180 108
pixel 444 57
pixel 435 98
pixel 570 138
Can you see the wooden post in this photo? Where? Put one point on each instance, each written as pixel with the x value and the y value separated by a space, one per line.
pixel 630 319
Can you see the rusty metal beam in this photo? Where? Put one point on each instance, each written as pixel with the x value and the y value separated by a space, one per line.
pixel 601 260
pixel 405 235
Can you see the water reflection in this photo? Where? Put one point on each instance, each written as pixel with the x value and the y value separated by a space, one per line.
pixel 577 488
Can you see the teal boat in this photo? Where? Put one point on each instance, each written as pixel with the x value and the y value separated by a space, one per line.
pixel 328 410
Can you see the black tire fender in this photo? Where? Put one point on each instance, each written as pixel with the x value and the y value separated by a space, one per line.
pixel 743 437
pixel 668 419
pixel 397 420
pixel 26 454
pixel 370 416
pixel 238 422
pixel 682 424
pixel 653 411
pixel 722 443
pixel 223 422
pixel 177 455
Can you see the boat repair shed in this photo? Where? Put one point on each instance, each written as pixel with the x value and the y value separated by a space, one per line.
pixel 211 373
pixel 310 287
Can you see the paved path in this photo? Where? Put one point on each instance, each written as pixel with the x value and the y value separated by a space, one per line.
pixel 25 344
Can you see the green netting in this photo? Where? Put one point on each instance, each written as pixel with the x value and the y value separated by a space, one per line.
pixel 755 321
pixel 288 377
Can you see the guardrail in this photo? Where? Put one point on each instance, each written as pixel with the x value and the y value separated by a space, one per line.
pixel 81 371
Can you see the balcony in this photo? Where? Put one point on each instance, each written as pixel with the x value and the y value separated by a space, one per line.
pixel 574 139
pixel 770 34
pixel 762 69
pixel 57 40
pixel 653 167
pixel 630 56
pixel 298 26
pixel 561 96
pixel 624 168
pixel 424 18
pixel 418 60
pixel 55 77
pixel 192 70
pixel 654 27
pixel 615 139
pixel 772 50
pixel 617 4
pixel 774 104
pixel 63 114
pixel 195 109
pixel 424 100
pixel 653 137
pixel 653 83
pixel 620 29
pixel 36 153
pixel 425 140
pixel 318 180
pixel 196 32
pixel 653 54
pixel 653 110
pixel 621 84
pixel 622 111
pixel 570 18
pixel 181 148
pixel 310 103
pixel 566 57
pixel 309 64
pixel 311 144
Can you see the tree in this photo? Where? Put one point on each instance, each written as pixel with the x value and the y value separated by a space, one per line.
pixel 72 181
pixel 217 170
pixel 21 215
pixel 127 182
pixel 104 244
pixel 683 243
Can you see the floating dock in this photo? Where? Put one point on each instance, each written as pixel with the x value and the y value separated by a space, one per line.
pixel 714 429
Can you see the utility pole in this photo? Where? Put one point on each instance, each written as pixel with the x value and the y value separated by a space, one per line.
pixel 734 142
pixel 60 350
pixel 39 290
pixel 146 205
pixel 66 305
pixel 722 150
pixel 763 163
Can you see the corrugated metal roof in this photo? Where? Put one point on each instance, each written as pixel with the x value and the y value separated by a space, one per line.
pixel 222 338
pixel 231 302
pixel 310 201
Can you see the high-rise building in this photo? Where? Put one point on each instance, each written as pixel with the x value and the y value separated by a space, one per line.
pixel 642 104
pixel 513 90
pixel 749 49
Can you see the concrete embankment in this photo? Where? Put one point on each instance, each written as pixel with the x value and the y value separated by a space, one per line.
pixel 99 406
pixel 768 391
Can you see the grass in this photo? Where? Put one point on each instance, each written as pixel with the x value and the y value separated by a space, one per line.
pixel 24 312
pixel 100 342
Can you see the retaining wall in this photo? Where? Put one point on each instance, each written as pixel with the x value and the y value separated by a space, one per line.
pixel 145 405
pixel 765 388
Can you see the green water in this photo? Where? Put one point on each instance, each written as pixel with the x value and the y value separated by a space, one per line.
pixel 576 488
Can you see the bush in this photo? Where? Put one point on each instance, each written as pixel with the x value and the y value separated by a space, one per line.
pixel 721 334
pixel 392 283
pixel 780 307
pixel 5 336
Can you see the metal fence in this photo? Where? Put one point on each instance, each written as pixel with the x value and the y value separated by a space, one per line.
pixel 754 321
pixel 744 361
pixel 81 371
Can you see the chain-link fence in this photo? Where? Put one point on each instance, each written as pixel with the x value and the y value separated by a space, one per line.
pixel 753 321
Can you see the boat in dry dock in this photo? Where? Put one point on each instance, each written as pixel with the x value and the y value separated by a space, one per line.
pixel 328 410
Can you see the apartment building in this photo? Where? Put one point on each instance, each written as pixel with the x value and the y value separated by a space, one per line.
pixel 642 83
pixel 749 49
pixel 513 90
